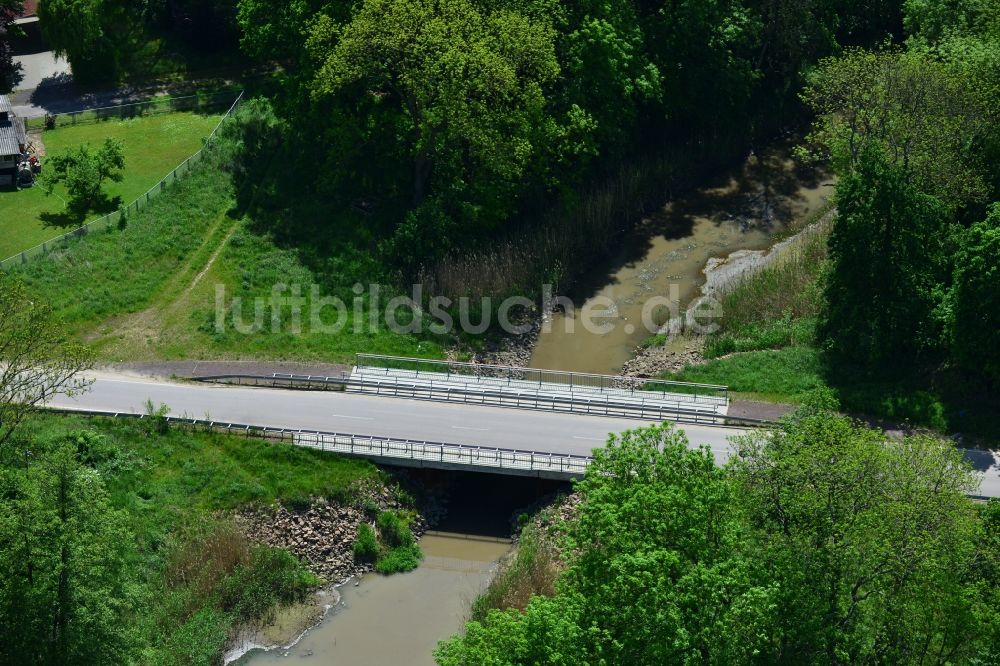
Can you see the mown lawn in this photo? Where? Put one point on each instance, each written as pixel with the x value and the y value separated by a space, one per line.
pixel 154 145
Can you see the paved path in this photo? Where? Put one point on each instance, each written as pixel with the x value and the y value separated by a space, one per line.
pixel 390 417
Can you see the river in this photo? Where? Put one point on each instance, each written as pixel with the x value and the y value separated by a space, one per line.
pixel 399 619
pixel 666 255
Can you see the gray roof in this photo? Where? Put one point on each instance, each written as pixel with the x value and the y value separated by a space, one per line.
pixel 11 137
pixel 4 104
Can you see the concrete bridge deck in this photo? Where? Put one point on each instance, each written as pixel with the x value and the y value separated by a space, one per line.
pixel 409 432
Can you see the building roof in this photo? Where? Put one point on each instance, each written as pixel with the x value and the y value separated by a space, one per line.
pixel 30 8
pixel 12 137
pixel 5 104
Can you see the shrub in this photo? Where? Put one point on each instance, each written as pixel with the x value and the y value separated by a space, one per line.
pixel 365 544
pixel 199 641
pixel 370 507
pixel 272 576
pixel 299 503
pixel 394 530
pixel 399 560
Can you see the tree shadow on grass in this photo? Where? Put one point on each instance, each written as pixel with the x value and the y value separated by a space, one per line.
pixel 70 218
pixel 934 395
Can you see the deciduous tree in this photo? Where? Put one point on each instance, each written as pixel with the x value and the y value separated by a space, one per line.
pixel 37 363
pixel 888 266
pixel 84 171
pixel 975 297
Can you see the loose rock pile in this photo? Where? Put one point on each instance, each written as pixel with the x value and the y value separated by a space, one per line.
pixel 322 536
pixel 656 360
pixel 511 350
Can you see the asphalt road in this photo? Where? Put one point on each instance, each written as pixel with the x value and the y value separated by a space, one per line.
pixel 374 415
pixel 450 423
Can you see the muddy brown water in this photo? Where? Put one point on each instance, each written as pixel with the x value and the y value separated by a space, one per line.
pixel 666 254
pixel 399 619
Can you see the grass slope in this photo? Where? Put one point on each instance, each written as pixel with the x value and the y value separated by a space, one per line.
pixel 154 145
pixel 148 292
pixel 194 575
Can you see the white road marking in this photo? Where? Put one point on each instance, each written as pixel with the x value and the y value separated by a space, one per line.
pixel 468 428
pixel 591 439
pixel 357 418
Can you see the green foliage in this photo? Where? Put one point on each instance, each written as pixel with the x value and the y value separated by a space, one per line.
pixel 37 362
pixel 83 173
pixel 145 538
pixel 393 529
pixel 365 546
pixel 530 572
pixel 197 642
pixel 888 266
pixel 392 549
pixel 437 128
pixel 271 577
pixel 775 306
pixel 780 374
pixel 921 115
pixel 975 298
pixel 10 72
pixel 88 33
pixel 67 576
pixel 399 559
pixel 819 543
pixel 870 540
pixel 459 85
pixel 398 550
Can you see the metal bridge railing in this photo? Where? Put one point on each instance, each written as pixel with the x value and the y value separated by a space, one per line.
pixel 389 449
pixel 578 380
pixel 592 406
pixel 691 400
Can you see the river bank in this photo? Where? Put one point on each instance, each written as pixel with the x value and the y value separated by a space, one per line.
pixel 662 262
pixel 399 619
pixel 670 352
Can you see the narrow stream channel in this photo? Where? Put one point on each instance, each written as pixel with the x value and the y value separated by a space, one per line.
pixel 742 210
pixel 399 619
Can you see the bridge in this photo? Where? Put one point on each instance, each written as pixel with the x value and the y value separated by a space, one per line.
pixel 476 427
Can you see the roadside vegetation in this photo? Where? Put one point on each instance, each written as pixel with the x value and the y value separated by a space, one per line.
pixel 152 146
pixel 819 543
pixel 153 568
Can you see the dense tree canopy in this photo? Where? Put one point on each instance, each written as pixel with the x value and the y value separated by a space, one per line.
pixel 821 543
pixel 913 133
pixel 887 265
pixel 921 113
pixel 10 72
pixel 439 125
pixel 975 298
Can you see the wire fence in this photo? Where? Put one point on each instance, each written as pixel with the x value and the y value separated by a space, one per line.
pixel 201 102
pixel 113 218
